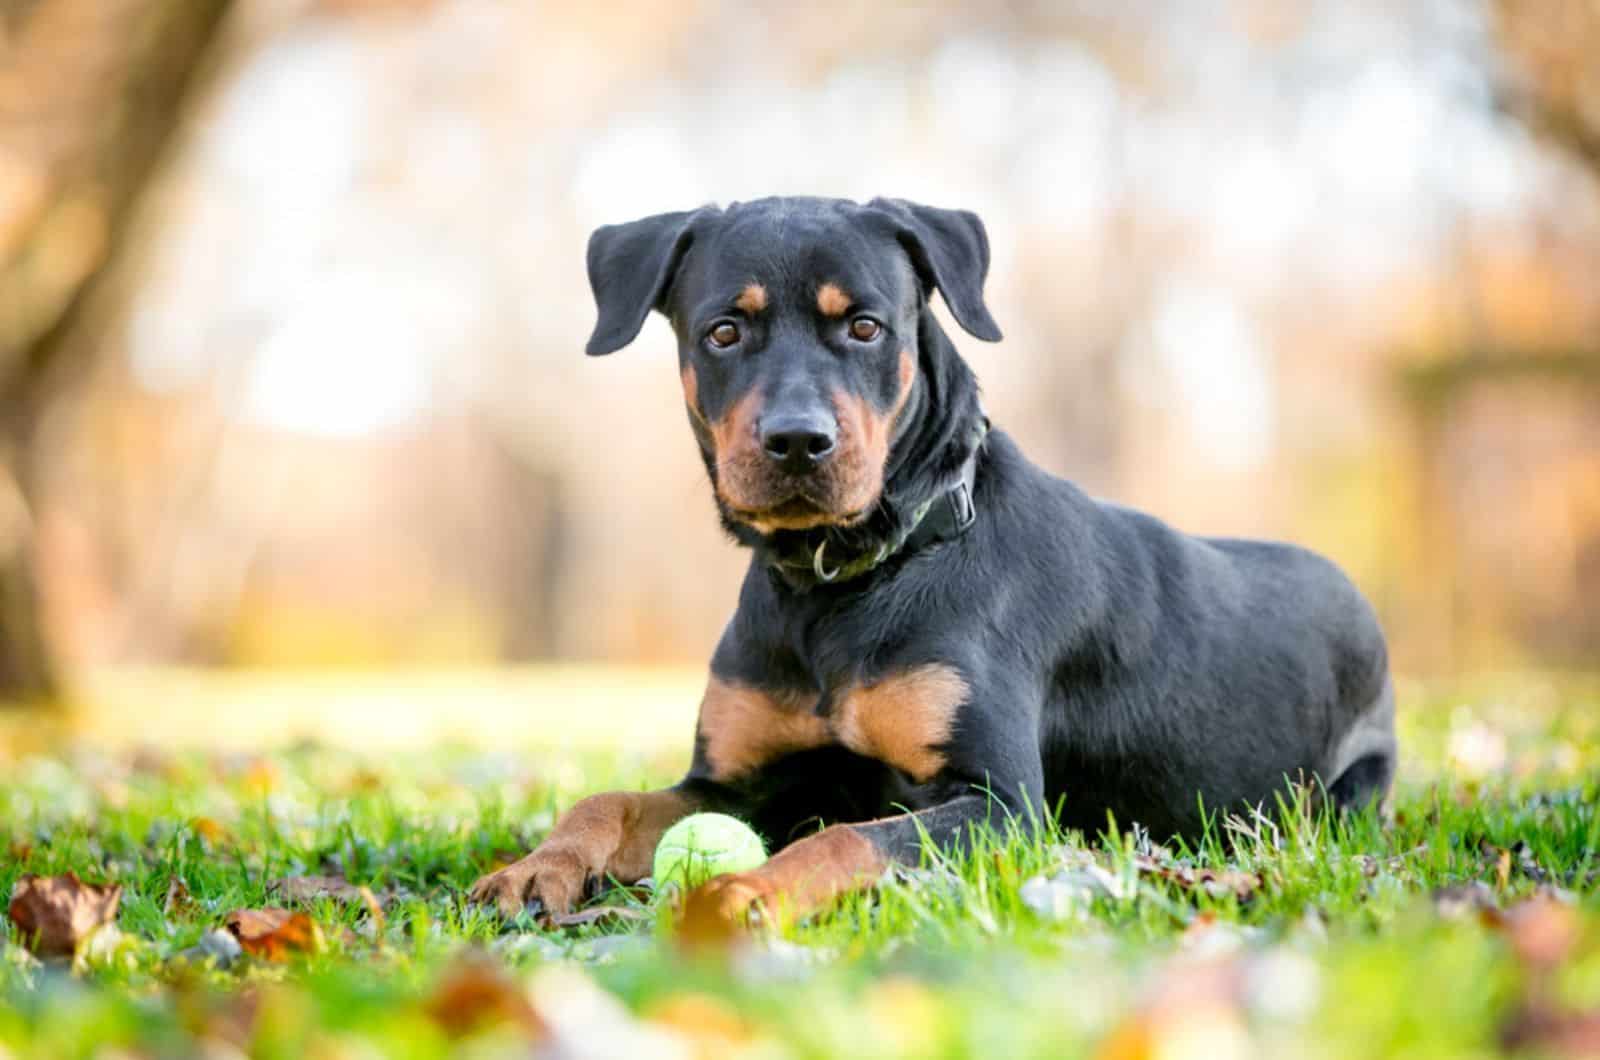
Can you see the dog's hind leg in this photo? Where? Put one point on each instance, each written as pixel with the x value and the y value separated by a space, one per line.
pixel 1363 764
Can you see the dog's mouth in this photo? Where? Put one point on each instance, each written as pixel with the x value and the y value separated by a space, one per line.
pixel 797 512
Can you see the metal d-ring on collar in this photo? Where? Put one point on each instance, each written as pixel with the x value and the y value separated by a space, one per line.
pixel 822 572
pixel 955 516
pixel 825 575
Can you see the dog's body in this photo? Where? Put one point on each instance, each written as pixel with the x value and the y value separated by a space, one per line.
pixel 934 633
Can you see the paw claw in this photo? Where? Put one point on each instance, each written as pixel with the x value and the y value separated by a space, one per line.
pixel 545 883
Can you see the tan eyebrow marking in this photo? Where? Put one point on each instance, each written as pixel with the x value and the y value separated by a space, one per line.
pixel 753 299
pixel 832 300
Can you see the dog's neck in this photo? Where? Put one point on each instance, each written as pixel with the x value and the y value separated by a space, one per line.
pixel 935 445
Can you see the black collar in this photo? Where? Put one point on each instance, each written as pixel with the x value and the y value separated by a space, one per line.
pixel 811 561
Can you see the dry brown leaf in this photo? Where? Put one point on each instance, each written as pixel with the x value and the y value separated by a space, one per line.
pixel 1551 1032
pixel 477 993
pixel 1542 931
pixel 374 910
pixel 54 915
pixel 701 928
pixel 1190 1002
pixel 273 934
pixel 598 913
pixel 1214 882
pixel 1459 899
pixel 261 776
pixel 714 1027
pixel 208 829
pixel 179 902
pixel 311 888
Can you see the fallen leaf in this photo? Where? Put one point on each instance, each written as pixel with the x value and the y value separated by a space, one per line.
pixel 581 1019
pixel 597 913
pixel 374 912
pixel 478 993
pixel 55 915
pixel 1214 882
pixel 261 776
pixel 1551 1032
pixel 310 888
pixel 364 781
pixel 179 902
pixel 273 934
pixel 1193 1009
pixel 1542 931
pixel 1460 899
pixel 700 927
pixel 711 1025
pixel 208 829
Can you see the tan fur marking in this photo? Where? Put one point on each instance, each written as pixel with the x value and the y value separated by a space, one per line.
pixel 904 719
pixel 864 435
pixel 908 375
pixel 619 830
pixel 817 869
pixel 744 728
pixel 691 391
pixel 772 524
pixel 613 834
pixel 753 299
pixel 734 447
pixel 799 879
pixel 832 300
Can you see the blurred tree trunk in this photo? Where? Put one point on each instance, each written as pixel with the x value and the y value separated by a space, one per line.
pixel 1552 81
pixel 91 92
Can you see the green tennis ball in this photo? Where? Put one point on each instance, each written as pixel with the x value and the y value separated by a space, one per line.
pixel 704 845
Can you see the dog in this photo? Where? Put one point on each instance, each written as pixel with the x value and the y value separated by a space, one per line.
pixel 934 635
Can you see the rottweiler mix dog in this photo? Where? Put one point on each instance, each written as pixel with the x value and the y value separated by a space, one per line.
pixel 934 634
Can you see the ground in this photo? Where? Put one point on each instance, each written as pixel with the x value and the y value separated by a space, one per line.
pixel 1467 924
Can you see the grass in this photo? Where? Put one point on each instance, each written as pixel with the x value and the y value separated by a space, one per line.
pixel 1321 938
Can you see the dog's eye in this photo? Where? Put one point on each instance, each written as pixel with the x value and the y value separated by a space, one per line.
pixel 864 329
pixel 723 335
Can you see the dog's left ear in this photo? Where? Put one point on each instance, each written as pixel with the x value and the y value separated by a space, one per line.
pixel 630 271
pixel 950 251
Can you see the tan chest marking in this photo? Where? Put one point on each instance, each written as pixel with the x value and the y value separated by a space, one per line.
pixel 902 720
pixel 744 728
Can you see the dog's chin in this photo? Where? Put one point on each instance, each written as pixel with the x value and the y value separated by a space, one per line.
pixel 795 514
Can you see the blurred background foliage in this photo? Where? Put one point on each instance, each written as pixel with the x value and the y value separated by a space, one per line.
pixel 292 303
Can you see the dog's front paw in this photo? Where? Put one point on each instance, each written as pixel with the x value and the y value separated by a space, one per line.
pixel 552 878
pixel 734 896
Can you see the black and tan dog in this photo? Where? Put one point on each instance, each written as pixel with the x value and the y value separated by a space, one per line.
pixel 934 634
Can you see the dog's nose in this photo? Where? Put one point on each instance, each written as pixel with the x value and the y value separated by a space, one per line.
pixel 798 442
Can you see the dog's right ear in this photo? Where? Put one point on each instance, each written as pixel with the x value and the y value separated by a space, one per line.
pixel 630 270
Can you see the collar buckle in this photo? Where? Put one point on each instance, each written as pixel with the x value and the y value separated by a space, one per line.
pixel 961 501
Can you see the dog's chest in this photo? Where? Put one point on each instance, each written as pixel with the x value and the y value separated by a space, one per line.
pixel 903 720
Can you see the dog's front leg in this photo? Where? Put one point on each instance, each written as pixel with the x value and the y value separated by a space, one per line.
pixel 613 834
pixel 808 875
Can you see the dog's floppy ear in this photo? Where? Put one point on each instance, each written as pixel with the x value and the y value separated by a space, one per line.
pixel 630 270
pixel 950 250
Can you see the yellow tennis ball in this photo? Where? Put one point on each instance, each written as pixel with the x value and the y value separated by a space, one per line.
pixel 704 845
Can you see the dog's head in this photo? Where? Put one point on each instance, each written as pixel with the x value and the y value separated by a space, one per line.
pixel 801 330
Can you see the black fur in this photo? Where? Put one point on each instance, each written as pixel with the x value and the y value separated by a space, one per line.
pixel 1115 665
